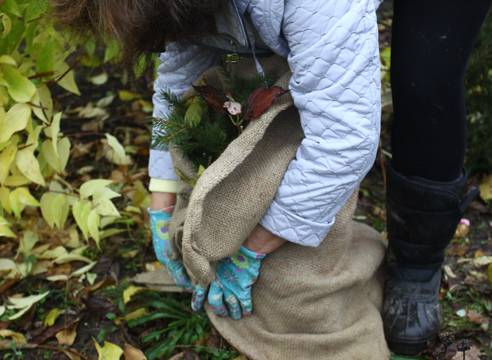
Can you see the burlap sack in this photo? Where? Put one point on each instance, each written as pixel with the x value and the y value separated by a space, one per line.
pixel 309 303
pixel 317 303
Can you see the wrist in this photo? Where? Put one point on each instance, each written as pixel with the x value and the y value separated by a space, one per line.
pixel 263 241
pixel 162 200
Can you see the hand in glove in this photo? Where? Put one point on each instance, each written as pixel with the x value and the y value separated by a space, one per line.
pixel 159 223
pixel 230 293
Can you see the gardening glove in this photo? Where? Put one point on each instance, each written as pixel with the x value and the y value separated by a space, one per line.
pixel 159 223
pixel 230 293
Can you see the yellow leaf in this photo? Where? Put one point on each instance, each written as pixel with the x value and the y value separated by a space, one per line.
pixel 136 314
pixel 68 80
pixel 7 265
pixel 25 197
pixel 29 166
pixel 53 131
pixel 80 212
pixel 132 353
pixel 83 270
pixel 71 257
pixel 109 351
pixel 6 232
pixel 57 162
pixel 20 88
pixel 24 304
pixel 104 194
pixel 27 243
pixel 99 79
pixel 91 187
pixel 129 292
pixel 56 278
pixel 7 157
pixel 33 135
pixel 489 273
pixel 67 337
pixel 5 199
pixel 42 104
pixel 19 199
pixel 16 119
pixel 8 60
pixel 55 209
pixel 105 207
pixel 52 316
pixel 486 188
pixel 55 253
pixel 15 336
pixel 126 95
pixel 5 228
pixel 117 154
pixel 16 179
pixel 93 222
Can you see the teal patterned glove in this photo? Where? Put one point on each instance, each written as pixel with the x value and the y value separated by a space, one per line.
pixel 159 223
pixel 230 293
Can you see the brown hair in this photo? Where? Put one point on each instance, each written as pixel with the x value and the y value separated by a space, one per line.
pixel 140 26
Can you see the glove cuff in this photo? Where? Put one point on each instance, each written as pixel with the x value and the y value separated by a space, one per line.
pixel 162 214
pixel 250 254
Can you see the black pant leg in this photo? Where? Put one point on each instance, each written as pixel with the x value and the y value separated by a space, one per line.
pixel 432 42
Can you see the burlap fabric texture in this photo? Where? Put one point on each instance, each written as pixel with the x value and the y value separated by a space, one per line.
pixel 309 303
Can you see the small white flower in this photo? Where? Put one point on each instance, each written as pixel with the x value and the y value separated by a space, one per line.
pixel 233 107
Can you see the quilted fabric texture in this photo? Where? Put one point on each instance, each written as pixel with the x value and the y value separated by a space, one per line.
pixel 332 50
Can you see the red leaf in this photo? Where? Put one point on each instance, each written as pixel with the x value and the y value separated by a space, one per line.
pixel 262 99
pixel 212 96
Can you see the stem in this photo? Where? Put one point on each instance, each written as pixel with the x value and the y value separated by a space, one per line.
pixel 237 124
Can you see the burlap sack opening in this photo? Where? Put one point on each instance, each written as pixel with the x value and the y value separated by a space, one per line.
pixel 213 219
pixel 309 303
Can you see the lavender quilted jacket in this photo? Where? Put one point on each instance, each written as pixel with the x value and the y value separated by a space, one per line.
pixel 332 49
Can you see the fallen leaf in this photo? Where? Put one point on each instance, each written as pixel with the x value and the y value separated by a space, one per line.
pixel 135 315
pixel 108 351
pixel 48 333
pixel 126 95
pixel 52 316
pixel 132 353
pixel 24 304
pixel 486 188
pixel 473 354
pixel 477 318
pixel 116 152
pixel 261 100
pixel 99 79
pixel 130 292
pixel 15 336
pixel 67 336
pixel 482 261
pixel 449 272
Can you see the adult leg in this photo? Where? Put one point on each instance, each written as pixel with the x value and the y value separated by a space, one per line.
pixel 432 41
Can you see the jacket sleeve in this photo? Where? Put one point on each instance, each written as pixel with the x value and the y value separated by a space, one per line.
pixel 335 84
pixel 180 65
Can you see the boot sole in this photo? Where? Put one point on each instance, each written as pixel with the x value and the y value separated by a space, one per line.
pixel 408 348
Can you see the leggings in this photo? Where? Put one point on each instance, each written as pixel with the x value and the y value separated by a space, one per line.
pixel 431 44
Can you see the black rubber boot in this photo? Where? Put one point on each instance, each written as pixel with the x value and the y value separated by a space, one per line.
pixel 422 219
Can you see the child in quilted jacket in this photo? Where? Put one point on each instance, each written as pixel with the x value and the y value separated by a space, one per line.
pixel 333 53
